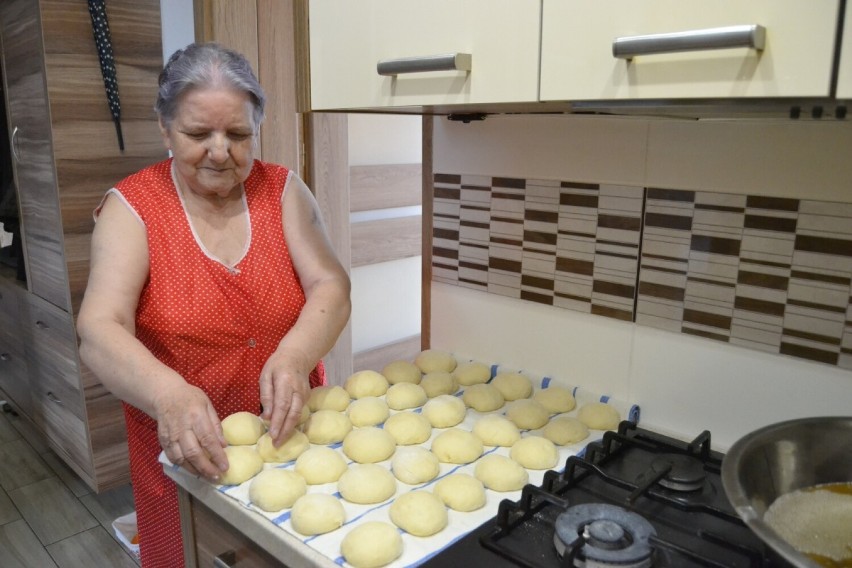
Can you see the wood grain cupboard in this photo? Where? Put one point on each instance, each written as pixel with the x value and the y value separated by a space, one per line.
pixel 493 43
pixel 793 58
pixel 844 80
pixel 66 155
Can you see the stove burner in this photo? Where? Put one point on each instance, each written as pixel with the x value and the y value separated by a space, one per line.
pixel 679 472
pixel 598 534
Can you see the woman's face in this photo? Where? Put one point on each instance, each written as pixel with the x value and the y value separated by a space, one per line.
pixel 212 139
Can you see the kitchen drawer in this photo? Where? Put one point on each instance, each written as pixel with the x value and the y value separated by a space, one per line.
pixel 52 357
pixel 13 365
pixel 577 61
pixel 844 81
pixel 348 39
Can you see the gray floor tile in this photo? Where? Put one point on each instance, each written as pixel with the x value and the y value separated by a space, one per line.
pixel 109 505
pixel 53 512
pixel 66 474
pixel 93 548
pixel 8 511
pixel 29 433
pixel 20 465
pixel 20 548
pixel 7 431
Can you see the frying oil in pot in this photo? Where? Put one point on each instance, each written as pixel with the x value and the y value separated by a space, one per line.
pixel 816 521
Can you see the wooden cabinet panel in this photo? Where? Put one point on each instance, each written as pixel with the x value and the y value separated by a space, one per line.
pixel 844 81
pixel 348 39
pixel 13 367
pixel 216 539
pixel 577 61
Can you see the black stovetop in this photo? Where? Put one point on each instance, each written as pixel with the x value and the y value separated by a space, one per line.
pixel 674 486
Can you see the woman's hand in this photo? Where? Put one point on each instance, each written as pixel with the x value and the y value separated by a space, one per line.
pixel 284 390
pixel 190 432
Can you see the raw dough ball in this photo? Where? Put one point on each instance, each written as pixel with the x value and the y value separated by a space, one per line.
pixel 496 430
pixel 371 545
pixel 535 452
pixel 243 463
pixel 564 430
pixel 288 451
pixel 320 465
pixel 419 513
pixel 406 395
pixel 408 428
pixel 242 428
pixel 368 445
pixel 366 383
pixel 457 446
pixel 366 484
pixel 444 411
pixel 461 492
pixel 432 360
pixel 437 383
pixel 303 417
pixel 368 411
pixel 501 473
pixel 415 465
pixel 328 397
pixel 401 372
pixel 472 373
pixel 483 398
pixel 556 399
pixel 317 513
pixel 598 416
pixel 276 489
pixel 528 414
pixel 512 385
pixel 327 427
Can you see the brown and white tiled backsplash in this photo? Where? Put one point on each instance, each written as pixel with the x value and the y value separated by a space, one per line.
pixel 766 273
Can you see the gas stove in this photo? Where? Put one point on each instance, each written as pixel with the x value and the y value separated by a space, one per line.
pixel 633 499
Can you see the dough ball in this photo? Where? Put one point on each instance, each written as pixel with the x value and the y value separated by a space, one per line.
pixel 534 452
pixel 512 385
pixel 368 411
pixel 366 484
pixel 500 473
pixel 556 399
pixel 564 430
pixel 415 465
pixel 483 398
pixel 327 427
pixel 243 463
pixel 276 489
pixel 437 383
pixel 599 416
pixel 457 446
pixel 432 360
pixel 408 428
pixel 527 414
pixel 472 373
pixel 366 383
pixel 496 430
pixel 401 372
pixel 461 492
pixel 444 411
pixel 242 428
pixel 320 465
pixel 317 513
pixel 403 396
pixel 328 397
pixel 419 513
pixel 306 413
pixel 292 447
pixel 368 445
pixel 371 544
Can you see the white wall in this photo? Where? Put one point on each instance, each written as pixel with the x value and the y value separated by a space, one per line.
pixel 177 21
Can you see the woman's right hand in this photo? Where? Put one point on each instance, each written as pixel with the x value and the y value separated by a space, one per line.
pixel 190 432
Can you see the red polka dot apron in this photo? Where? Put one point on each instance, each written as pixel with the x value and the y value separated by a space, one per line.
pixel 215 325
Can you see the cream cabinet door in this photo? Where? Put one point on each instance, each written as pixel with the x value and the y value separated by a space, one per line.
pixel 844 81
pixel 348 39
pixel 577 61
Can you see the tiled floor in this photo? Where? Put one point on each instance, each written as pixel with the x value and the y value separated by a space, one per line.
pixel 49 518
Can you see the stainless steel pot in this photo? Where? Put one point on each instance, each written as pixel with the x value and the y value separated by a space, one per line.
pixel 781 458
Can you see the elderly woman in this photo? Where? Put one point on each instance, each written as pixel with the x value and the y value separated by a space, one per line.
pixel 213 288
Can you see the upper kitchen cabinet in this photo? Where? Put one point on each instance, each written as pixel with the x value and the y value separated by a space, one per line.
pixel 667 49
pixel 411 53
pixel 844 81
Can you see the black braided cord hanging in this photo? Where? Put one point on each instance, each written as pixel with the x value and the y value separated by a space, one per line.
pixel 103 41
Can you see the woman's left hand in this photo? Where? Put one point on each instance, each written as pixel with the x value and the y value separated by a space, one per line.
pixel 284 390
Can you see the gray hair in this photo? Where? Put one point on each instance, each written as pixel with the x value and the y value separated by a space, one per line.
pixel 202 65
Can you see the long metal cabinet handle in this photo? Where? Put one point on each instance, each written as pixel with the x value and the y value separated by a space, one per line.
pixel 227 559
pixel 14 144
pixel 753 36
pixel 426 63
